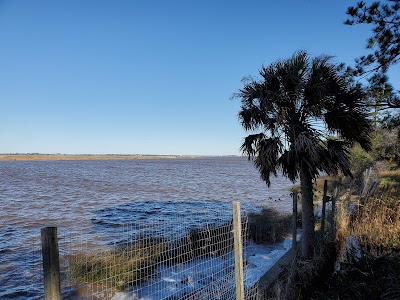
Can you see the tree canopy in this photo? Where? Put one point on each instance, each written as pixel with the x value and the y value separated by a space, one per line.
pixel 384 44
pixel 303 115
pixel 385 39
pixel 308 114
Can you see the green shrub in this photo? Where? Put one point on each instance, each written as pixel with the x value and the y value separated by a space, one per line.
pixel 386 145
pixel 360 161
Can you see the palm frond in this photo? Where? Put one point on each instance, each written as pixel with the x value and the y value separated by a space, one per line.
pixel 335 156
pixel 251 143
pixel 264 152
pixel 297 104
pixel 351 124
pixel 267 158
pixel 289 163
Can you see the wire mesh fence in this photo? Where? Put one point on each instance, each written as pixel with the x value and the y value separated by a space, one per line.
pixel 167 256
pixel 167 259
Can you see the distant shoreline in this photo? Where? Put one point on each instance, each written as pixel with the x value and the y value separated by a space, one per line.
pixel 13 157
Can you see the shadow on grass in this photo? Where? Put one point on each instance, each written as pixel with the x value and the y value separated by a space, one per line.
pixel 369 278
pixel 270 225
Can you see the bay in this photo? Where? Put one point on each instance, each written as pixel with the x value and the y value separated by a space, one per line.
pixel 98 197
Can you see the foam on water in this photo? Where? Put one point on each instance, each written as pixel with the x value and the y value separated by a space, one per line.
pixel 98 197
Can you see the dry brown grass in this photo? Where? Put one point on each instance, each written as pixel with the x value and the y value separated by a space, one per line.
pixel 342 222
pixel 390 173
pixel 369 268
pixel 117 268
pixel 377 227
pixel 375 224
pixel 269 225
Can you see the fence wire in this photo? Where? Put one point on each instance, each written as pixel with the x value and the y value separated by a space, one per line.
pixel 164 259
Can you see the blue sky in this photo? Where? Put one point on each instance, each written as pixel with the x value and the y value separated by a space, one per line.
pixel 148 77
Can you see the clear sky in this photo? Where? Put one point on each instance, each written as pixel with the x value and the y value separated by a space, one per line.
pixel 148 77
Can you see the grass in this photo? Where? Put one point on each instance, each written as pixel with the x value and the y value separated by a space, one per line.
pixel 377 227
pixel 297 280
pixel 369 278
pixel 120 267
pixel 343 219
pixel 371 268
pixel 390 180
pixel 269 225
pixel 368 270
pixel 132 263
pixel 203 242
pixel 319 186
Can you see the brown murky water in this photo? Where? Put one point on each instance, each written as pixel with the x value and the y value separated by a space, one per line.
pixel 98 196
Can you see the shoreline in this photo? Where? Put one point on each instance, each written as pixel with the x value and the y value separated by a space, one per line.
pixel 21 157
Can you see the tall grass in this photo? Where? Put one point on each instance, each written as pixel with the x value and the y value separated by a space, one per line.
pixel 118 268
pixel 368 270
pixel 369 238
pixel 343 218
pixel 377 227
pixel 269 225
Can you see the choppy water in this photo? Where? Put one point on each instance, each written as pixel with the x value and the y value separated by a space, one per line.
pixel 99 196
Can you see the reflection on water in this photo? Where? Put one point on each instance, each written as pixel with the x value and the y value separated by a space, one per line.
pixel 96 197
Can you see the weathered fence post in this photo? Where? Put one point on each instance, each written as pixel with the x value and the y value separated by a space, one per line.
pixel 294 222
pixel 51 263
pixel 238 248
pixel 323 209
pixel 333 225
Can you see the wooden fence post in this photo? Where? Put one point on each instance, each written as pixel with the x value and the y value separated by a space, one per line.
pixel 294 223
pixel 323 209
pixel 238 248
pixel 51 263
pixel 334 197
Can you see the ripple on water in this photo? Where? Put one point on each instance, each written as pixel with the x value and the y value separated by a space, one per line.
pixel 95 199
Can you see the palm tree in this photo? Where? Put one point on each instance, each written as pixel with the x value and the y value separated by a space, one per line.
pixel 303 115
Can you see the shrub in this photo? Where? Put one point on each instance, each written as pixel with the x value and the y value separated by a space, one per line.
pixel 203 242
pixel 269 226
pixel 360 161
pixel 386 145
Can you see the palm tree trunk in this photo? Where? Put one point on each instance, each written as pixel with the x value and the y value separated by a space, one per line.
pixel 307 213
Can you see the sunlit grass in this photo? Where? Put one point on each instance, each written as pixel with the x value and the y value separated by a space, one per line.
pixel 119 267
pixel 390 180
pixel 369 269
pixel 377 228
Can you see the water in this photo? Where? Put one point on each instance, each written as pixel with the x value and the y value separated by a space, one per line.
pixel 97 197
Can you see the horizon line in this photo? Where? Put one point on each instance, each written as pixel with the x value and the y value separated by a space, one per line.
pixel 112 154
